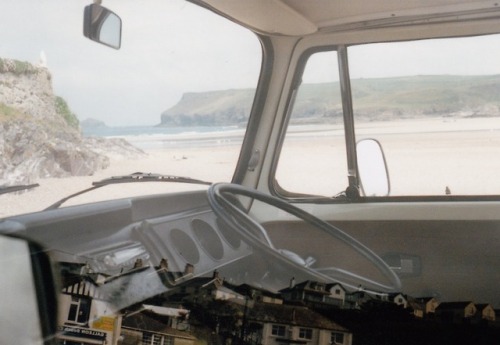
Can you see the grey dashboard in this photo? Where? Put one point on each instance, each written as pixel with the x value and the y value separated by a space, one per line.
pixel 112 236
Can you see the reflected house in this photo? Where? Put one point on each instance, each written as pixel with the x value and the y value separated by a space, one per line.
pixel 429 304
pixel 204 289
pixel 288 324
pixel 337 294
pixel 417 310
pixel 398 299
pixel 485 313
pixel 257 294
pixel 356 299
pixel 84 316
pixel 456 312
pixel 310 291
pixel 156 325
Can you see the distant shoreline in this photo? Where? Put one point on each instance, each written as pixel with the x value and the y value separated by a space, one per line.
pixel 152 137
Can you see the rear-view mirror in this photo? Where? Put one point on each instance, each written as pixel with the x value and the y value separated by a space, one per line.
pixel 102 25
pixel 27 293
pixel 372 168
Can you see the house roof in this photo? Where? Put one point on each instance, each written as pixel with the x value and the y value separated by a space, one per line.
pixel 330 285
pixel 248 290
pixel 424 299
pixel 453 305
pixel 415 305
pixel 291 315
pixel 482 306
pixel 309 286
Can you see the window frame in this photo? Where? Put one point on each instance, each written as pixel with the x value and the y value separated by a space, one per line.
pixel 80 310
pixel 276 330
pixel 334 335
pixel 305 333
pixel 274 186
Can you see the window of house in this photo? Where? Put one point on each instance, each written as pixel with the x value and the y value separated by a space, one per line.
pixel 337 338
pixel 278 330
pixel 305 333
pixel 337 291
pixel 79 310
pixel 313 156
pixel 156 339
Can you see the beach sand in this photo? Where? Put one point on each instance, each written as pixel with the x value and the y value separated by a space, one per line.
pixel 211 164
pixel 423 156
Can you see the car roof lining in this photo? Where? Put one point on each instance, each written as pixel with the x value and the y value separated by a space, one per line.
pixel 298 18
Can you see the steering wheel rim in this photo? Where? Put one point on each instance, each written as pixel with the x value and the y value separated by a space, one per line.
pixel 240 221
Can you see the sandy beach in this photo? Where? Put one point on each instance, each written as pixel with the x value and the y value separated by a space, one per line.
pixel 211 164
pixel 423 156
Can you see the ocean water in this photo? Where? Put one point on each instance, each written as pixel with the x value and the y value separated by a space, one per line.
pixel 149 137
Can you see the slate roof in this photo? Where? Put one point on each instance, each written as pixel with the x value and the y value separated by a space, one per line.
pixel 151 322
pixel 308 286
pixel 453 305
pixel 248 290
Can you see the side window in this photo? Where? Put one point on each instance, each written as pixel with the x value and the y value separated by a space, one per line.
pixel 434 106
pixel 313 157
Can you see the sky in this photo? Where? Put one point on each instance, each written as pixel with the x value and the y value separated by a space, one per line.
pixel 170 47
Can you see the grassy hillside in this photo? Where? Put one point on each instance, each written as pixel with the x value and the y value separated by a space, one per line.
pixel 428 95
pixel 373 98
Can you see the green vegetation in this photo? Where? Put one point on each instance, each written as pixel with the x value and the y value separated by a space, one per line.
pixel 62 109
pixel 16 67
pixel 382 98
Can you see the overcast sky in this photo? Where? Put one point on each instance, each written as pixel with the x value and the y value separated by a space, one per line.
pixel 170 47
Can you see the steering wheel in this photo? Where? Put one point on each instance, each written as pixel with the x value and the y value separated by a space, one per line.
pixel 222 199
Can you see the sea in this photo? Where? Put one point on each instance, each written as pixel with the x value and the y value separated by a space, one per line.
pixel 151 137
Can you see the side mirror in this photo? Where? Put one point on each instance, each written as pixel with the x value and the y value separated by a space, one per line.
pixel 27 293
pixel 102 25
pixel 372 168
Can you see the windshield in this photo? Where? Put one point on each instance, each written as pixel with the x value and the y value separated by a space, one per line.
pixel 172 100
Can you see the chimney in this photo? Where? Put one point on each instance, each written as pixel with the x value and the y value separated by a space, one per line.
pixel 163 264
pixel 189 269
pixel 138 263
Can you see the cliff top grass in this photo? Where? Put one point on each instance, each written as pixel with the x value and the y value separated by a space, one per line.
pixel 16 67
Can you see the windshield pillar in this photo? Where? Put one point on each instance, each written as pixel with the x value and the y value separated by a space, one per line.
pixel 352 190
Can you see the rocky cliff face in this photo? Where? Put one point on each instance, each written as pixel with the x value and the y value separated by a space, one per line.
pixel 214 108
pixel 39 136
